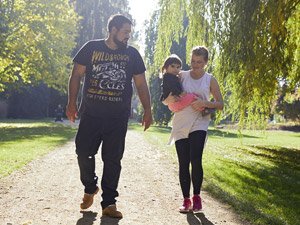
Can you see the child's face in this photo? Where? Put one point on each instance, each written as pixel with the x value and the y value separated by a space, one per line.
pixel 173 69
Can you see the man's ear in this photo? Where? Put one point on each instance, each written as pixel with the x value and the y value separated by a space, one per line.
pixel 114 30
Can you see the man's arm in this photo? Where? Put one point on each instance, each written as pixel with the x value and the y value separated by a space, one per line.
pixel 78 72
pixel 143 93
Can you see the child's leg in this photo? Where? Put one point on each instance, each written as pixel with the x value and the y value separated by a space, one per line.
pixel 183 102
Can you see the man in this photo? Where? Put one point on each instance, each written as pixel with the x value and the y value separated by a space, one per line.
pixel 109 66
pixel 59 113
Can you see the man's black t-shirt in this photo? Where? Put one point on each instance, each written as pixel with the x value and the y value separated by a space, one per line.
pixel 108 81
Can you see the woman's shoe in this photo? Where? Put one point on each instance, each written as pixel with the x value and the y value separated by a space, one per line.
pixel 197 204
pixel 186 206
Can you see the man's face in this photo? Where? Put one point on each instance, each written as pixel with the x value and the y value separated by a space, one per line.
pixel 121 36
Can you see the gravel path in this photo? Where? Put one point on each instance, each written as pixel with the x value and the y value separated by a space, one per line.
pixel 48 191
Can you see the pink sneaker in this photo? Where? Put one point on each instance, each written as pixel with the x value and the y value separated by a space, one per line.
pixel 187 206
pixel 197 205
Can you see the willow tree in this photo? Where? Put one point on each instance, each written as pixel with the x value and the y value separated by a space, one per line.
pixel 255 44
pixel 170 28
pixel 38 42
pixel 161 114
pixel 256 56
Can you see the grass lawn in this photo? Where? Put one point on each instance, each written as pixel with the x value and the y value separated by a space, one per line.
pixel 24 140
pixel 258 173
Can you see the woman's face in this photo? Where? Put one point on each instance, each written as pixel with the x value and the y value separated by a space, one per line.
pixel 198 63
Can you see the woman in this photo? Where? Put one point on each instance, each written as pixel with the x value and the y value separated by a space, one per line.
pixel 189 126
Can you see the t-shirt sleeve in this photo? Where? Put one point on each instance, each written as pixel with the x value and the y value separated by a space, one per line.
pixel 82 56
pixel 138 63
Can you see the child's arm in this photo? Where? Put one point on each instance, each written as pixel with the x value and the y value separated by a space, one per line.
pixel 170 99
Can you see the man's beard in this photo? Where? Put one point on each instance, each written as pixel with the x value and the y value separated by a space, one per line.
pixel 120 44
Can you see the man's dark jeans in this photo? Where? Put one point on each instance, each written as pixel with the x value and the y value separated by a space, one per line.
pixel 110 133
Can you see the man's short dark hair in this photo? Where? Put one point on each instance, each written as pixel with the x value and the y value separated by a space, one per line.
pixel 117 21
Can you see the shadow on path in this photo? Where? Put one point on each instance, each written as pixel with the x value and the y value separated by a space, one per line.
pixel 88 218
pixel 109 221
pixel 197 219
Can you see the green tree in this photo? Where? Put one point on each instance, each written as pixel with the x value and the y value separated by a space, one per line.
pixel 38 43
pixel 6 8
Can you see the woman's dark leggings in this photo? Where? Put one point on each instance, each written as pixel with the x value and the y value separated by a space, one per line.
pixel 189 151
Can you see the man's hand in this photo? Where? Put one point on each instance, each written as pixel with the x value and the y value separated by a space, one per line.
pixel 78 72
pixel 71 112
pixel 143 93
pixel 147 119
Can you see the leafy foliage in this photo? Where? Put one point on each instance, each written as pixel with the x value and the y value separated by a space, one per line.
pixel 254 48
pixel 38 42
pixel 253 57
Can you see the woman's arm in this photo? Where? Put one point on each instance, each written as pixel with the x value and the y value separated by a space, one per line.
pixel 218 99
pixel 216 93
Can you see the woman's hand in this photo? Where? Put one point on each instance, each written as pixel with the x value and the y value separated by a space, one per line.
pixel 199 105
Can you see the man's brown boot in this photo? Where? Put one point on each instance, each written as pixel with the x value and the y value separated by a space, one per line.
pixel 112 211
pixel 88 200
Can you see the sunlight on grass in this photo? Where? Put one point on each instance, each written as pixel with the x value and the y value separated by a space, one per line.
pixel 258 172
pixel 22 141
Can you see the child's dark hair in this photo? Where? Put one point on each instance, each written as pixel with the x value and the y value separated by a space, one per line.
pixel 172 59
pixel 200 51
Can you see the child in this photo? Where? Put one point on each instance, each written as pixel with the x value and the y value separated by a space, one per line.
pixel 171 84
